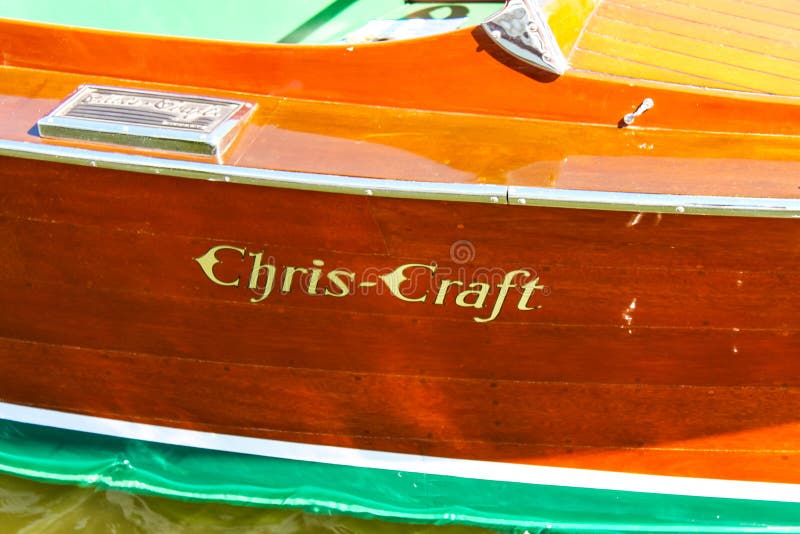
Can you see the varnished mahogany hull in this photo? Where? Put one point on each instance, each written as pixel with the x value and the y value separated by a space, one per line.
pixel 664 344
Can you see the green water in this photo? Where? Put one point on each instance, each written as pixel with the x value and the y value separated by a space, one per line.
pixel 34 507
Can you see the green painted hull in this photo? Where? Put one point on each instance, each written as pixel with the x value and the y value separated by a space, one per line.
pixel 66 456
pixel 250 21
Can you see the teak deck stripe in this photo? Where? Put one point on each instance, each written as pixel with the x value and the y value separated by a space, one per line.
pixel 697 11
pixel 591 61
pixel 694 65
pixel 674 23
pixel 776 5
pixel 708 38
pixel 777 18
pixel 761 65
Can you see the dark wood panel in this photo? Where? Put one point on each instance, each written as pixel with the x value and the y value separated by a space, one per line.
pixel 700 380
pixel 585 237
pixel 160 204
pixel 412 229
pixel 628 297
pixel 368 404
pixel 400 344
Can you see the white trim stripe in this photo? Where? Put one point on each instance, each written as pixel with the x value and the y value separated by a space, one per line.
pixel 471 469
pixel 440 191
pixel 215 172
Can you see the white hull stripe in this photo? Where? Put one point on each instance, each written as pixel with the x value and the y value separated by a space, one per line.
pixel 470 469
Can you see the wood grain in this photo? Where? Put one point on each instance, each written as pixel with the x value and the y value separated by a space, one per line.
pixel 313 338
pixel 665 344
pixel 108 314
pixel 461 72
pixel 575 421
pixel 723 44
pixel 370 141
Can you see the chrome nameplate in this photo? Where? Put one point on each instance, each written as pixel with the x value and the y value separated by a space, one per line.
pixel 147 119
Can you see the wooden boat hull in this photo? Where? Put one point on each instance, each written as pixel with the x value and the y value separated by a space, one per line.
pixel 510 306
pixel 661 345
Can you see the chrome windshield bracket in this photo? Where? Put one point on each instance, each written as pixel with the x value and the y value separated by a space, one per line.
pixel 521 30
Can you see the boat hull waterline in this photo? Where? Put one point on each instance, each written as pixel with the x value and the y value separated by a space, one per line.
pixel 127 456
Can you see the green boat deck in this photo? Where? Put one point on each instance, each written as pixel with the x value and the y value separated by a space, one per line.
pixel 251 21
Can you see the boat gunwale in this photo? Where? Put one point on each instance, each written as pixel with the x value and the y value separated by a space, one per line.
pixel 346 47
pixel 409 189
pixel 510 89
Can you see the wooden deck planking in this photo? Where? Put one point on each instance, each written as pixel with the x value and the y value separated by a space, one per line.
pixel 766 13
pixel 414 74
pixel 719 74
pixel 722 41
pixel 766 70
pixel 776 5
pixel 672 22
pixel 591 61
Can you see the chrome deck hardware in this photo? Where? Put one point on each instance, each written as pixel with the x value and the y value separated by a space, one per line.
pixel 521 30
pixel 629 118
pixel 147 119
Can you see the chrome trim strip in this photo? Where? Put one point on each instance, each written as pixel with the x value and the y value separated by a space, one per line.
pixel 473 469
pixel 492 194
pixel 483 193
pixel 655 203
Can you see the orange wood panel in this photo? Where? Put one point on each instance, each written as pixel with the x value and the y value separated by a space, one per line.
pixel 461 71
pixel 140 203
pixel 734 176
pixel 254 215
pixel 429 146
pixel 112 317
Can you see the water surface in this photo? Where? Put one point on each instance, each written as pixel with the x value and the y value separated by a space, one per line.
pixel 34 507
